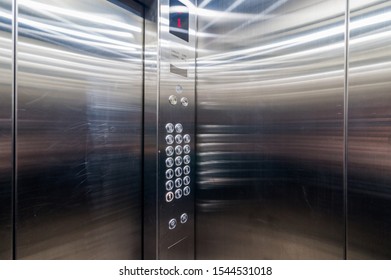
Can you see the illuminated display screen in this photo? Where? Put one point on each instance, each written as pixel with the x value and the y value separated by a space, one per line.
pixel 179 20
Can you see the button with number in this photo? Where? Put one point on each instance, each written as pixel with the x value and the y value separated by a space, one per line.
pixel 169 196
pixel 169 162
pixel 184 218
pixel 169 128
pixel 178 160
pixel 169 151
pixel 178 139
pixel 186 170
pixel 184 101
pixel 178 172
pixel 172 224
pixel 186 180
pixel 178 183
pixel 178 193
pixel 169 185
pixel 169 174
pixel 169 139
pixel 178 128
pixel 186 138
pixel 178 150
pixel 186 191
pixel 186 149
pixel 173 100
pixel 186 159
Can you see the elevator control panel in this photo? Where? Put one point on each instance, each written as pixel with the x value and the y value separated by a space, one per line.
pixel 176 131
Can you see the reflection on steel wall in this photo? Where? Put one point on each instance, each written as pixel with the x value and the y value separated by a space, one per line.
pixel 79 130
pixel 6 78
pixel 369 166
pixel 270 129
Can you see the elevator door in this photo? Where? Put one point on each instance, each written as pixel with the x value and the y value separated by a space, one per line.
pixel 79 129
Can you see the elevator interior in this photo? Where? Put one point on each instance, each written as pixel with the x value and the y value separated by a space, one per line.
pixel 183 129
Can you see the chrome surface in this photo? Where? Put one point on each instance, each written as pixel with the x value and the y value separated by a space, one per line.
pixel 369 138
pixel 270 109
pixel 6 155
pixel 79 130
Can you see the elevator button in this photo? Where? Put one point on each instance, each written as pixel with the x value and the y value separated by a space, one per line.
pixel 169 185
pixel 178 183
pixel 186 159
pixel 184 101
pixel 186 170
pixel 178 128
pixel 186 191
pixel 178 171
pixel 172 224
pixel 186 138
pixel 169 151
pixel 169 128
pixel 169 174
pixel 169 139
pixel 186 180
pixel 169 196
pixel 178 139
pixel 178 160
pixel 184 218
pixel 178 150
pixel 186 149
pixel 178 193
pixel 169 162
pixel 173 100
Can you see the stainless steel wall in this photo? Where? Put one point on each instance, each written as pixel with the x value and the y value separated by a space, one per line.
pixel 79 130
pixel 369 165
pixel 270 86
pixel 6 83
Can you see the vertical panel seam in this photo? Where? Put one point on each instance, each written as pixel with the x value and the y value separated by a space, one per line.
pixel 346 116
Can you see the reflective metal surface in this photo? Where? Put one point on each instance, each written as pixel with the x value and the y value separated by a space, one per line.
pixel 79 130
pixel 369 166
pixel 6 80
pixel 270 91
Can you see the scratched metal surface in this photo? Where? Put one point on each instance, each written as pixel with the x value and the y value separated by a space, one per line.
pixel 6 79
pixel 79 130
pixel 270 88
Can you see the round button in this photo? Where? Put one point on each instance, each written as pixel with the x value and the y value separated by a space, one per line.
pixel 173 100
pixel 184 101
pixel 178 139
pixel 178 150
pixel 169 162
pixel 172 224
pixel 169 196
pixel 169 185
pixel 186 159
pixel 178 172
pixel 178 128
pixel 179 89
pixel 184 218
pixel 186 138
pixel 169 139
pixel 186 180
pixel 178 183
pixel 186 191
pixel 178 160
pixel 178 193
pixel 169 151
pixel 169 128
pixel 186 170
pixel 186 149
pixel 169 174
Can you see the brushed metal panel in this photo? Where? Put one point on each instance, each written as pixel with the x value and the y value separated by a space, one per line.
pixel 6 81
pixel 79 130
pixel 270 109
pixel 369 165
